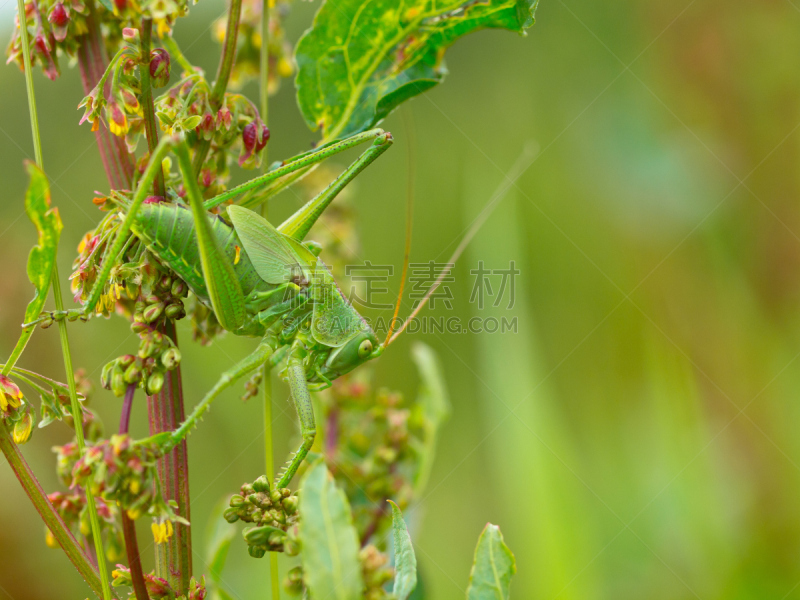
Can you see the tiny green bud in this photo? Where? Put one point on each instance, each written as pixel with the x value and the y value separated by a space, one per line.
pixel 105 376
pixel 231 515
pixel 154 383
pixel 289 505
pixel 118 385
pixel 257 551
pixel 170 358
pixel 257 536
pixel 152 312
pixel 179 289
pixel 276 538
pixel 175 311
pixel 261 484
pixel 133 374
pixel 152 299
pixel 165 283
pixel 126 360
pixel 247 489
pixel 236 501
pixel 275 496
pixel 138 325
pixel 291 547
pixel 285 492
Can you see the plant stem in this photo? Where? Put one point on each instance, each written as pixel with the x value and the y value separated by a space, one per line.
pixel 77 419
pixel 48 512
pixel 223 75
pixel 166 412
pixel 269 461
pixel 148 110
pixel 77 411
pixel 128 526
pixel 117 161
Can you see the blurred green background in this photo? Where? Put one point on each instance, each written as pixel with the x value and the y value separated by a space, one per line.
pixel 637 437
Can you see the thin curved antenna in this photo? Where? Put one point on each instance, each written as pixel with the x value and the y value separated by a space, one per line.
pixel 521 165
pixel 408 123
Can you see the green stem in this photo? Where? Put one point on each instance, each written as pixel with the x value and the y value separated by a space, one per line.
pixel 77 412
pixel 223 75
pixel 148 110
pixel 77 419
pixel 267 371
pixel 51 518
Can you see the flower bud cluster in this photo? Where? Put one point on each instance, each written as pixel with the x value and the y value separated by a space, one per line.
pixel 53 27
pixel 247 65
pixel 376 450
pixel 375 572
pixel 157 587
pixel 73 509
pixel 274 514
pixel 118 471
pixel 157 355
pixel 187 107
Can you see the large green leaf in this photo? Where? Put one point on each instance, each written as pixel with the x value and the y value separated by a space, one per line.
pixel 405 562
pixel 42 257
pixel 435 406
pixel 362 58
pixel 329 540
pixel 492 568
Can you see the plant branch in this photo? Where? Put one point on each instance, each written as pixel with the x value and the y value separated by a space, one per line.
pixel 223 75
pixel 47 511
pixel 77 412
pixel 128 526
pixel 148 110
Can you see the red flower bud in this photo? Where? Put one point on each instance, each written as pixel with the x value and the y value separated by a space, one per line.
pixel 249 137
pixel 264 138
pixel 59 15
pixel 159 67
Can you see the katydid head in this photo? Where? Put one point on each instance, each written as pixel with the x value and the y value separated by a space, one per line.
pixel 359 349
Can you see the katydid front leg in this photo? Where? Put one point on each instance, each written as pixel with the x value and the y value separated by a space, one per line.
pixel 167 440
pixel 296 377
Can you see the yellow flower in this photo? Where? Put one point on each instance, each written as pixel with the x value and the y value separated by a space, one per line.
pixel 117 121
pixel 10 394
pixel 162 531
pixel 50 540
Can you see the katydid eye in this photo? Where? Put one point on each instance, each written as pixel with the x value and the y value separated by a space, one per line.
pixel 365 349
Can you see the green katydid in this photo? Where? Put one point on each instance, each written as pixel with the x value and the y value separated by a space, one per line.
pixel 260 281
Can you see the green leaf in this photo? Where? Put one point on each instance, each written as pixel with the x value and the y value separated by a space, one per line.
pixel 362 58
pixel 42 256
pixel 405 562
pixel 435 404
pixel 492 568
pixel 329 540
pixel 48 224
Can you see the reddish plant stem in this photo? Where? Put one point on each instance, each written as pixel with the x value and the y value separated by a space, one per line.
pixel 47 511
pixel 128 526
pixel 92 59
pixel 166 411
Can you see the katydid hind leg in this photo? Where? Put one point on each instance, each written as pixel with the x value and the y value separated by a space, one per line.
pixel 299 224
